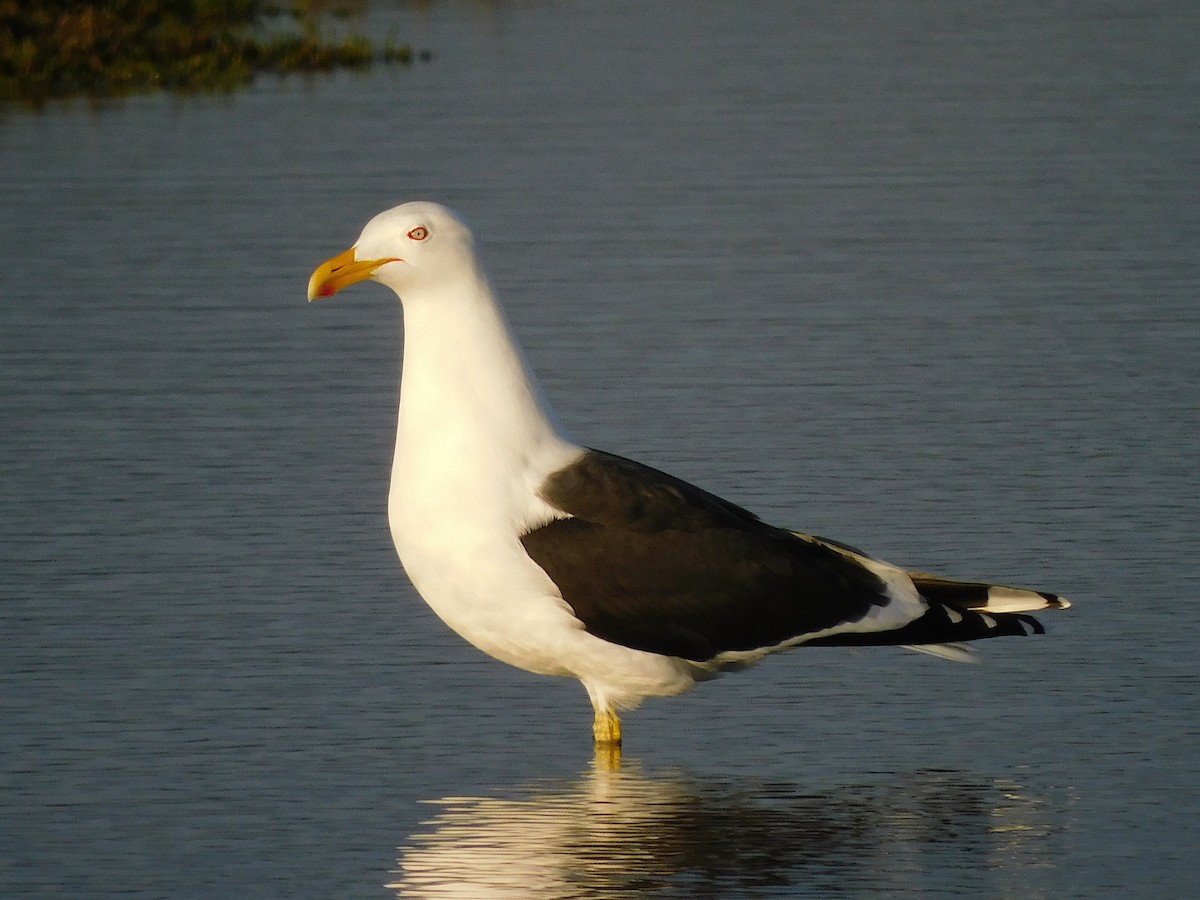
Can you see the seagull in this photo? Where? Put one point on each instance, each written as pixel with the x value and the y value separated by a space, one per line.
pixel 564 560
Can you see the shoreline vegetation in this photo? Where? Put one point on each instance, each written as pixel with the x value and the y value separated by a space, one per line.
pixel 56 49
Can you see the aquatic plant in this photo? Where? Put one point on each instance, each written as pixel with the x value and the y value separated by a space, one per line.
pixel 63 48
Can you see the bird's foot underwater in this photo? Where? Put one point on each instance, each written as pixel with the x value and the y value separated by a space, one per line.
pixel 607 732
pixel 607 728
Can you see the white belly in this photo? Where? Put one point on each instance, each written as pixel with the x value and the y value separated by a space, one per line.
pixel 492 594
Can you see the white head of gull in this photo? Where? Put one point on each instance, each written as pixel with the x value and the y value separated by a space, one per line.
pixel 563 560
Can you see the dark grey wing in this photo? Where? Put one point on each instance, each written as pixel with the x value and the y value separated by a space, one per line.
pixel 654 563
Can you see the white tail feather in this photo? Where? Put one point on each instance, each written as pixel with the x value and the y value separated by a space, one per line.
pixel 1005 600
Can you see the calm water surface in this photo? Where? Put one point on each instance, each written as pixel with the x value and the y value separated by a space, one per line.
pixel 924 279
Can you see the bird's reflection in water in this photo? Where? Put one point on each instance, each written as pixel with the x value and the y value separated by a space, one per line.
pixel 623 833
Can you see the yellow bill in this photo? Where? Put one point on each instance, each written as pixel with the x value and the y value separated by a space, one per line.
pixel 340 272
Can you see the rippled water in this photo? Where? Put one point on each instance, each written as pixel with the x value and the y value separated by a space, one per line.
pixel 921 278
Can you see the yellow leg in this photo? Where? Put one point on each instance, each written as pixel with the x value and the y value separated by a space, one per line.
pixel 607 727
pixel 607 732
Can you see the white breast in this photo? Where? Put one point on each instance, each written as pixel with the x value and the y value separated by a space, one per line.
pixel 475 440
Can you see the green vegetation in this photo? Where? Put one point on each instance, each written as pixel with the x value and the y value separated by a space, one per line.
pixel 63 48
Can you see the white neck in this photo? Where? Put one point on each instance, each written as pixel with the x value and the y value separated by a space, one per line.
pixel 471 414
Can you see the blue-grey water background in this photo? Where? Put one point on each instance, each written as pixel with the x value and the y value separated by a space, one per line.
pixel 922 277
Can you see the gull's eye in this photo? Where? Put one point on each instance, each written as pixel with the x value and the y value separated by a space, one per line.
pixel 419 233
